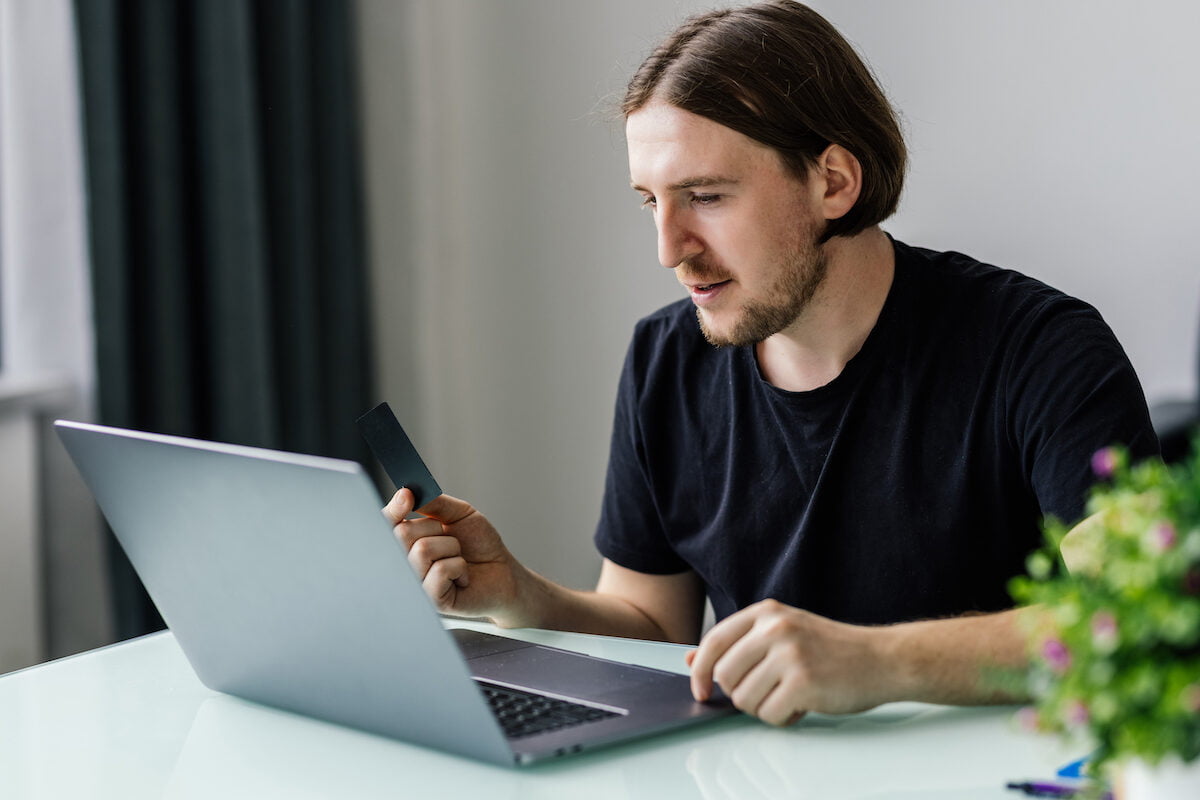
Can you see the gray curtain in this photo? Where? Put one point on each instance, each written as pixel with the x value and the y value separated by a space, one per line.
pixel 225 219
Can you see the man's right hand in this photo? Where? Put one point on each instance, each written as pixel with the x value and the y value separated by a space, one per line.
pixel 465 569
pixel 463 565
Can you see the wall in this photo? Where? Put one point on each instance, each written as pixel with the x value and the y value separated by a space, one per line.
pixel 55 587
pixel 511 257
pixel 1058 138
pixel 511 261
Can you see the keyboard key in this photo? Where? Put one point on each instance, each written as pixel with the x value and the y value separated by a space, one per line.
pixel 524 713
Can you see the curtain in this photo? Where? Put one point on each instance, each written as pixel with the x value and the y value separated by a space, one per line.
pixel 228 276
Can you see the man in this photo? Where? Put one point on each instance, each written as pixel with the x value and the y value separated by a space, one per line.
pixel 847 444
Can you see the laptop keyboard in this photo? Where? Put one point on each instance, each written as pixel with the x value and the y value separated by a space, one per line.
pixel 525 713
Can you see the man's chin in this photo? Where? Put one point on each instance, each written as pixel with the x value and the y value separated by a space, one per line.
pixel 751 325
pixel 716 335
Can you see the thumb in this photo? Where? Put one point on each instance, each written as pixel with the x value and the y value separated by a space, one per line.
pixel 447 509
pixel 399 507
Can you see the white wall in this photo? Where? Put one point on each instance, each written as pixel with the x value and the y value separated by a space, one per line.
pixel 511 260
pixel 1058 138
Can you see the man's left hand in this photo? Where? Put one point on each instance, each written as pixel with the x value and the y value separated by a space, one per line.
pixel 778 663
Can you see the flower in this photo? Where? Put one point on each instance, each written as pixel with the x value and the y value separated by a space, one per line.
pixel 1104 631
pixel 1162 537
pixel 1027 719
pixel 1117 644
pixel 1104 462
pixel 1076 714
pixel 1056 655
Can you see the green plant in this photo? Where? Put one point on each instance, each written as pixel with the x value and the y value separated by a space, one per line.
pixel 1117 643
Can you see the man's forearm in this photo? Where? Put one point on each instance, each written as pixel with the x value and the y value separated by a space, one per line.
pixel 542 603
pixel 966 660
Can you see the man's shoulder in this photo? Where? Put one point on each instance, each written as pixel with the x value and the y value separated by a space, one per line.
pixel 985 292
pixel 961 272
pixel 673 327
pixel 676 318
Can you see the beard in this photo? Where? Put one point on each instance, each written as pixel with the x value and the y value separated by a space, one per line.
pixel 804 270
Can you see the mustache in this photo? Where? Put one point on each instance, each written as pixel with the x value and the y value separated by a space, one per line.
pixel 700 270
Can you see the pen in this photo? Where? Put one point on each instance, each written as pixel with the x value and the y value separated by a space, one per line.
pixel 1034 789
pixel 1039 789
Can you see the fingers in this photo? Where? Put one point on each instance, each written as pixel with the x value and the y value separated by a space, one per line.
pixel 759 660
pixel 445 577
pixel 779 706
pixel 451 546
pixel 772 690
pixel 712 647
pixel 434 555
pixel 438 559
pixel 750 689
pixel 410 531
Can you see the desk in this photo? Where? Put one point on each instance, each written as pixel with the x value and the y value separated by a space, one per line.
pixel 132 721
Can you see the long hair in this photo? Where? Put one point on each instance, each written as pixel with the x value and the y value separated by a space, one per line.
pixel 780 74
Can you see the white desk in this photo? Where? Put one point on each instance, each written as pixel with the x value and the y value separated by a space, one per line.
pixel 132 721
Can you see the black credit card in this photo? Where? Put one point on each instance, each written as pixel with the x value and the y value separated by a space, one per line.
pixel 396 453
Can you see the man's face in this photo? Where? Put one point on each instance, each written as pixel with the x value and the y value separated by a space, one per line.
pixel 739 229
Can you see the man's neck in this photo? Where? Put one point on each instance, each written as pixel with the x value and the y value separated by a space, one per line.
pixel 814 349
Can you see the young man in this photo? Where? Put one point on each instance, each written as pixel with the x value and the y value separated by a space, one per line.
pixel 846 443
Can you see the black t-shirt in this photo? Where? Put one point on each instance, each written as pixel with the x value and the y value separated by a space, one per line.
pixel 912 486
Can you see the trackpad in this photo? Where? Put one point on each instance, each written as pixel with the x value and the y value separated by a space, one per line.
pixel 554 671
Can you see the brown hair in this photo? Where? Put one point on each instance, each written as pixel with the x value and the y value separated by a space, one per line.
pixel 779 73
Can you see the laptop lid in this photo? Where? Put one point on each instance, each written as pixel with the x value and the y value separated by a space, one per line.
pixel 283 584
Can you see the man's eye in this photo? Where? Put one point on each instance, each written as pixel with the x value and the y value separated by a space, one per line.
pixel 649 202
pixel 705 199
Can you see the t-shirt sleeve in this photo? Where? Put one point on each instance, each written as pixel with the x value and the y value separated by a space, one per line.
pixel 630 532
pixel 1072 392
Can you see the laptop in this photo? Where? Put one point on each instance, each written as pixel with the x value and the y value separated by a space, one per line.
pixel 283 584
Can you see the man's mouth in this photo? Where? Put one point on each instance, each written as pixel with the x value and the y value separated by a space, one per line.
pixel 704 294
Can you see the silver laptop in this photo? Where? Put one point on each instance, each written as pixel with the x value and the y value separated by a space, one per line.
pixel 284 585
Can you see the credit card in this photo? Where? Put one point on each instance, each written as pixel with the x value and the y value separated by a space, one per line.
pixel 396 453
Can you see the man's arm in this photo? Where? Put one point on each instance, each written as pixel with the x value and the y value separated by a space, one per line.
pixel 774 661
pixel 779 662
pixel 466 569
pixel 625 603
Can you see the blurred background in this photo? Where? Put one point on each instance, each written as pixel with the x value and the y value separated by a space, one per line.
pixel 251 220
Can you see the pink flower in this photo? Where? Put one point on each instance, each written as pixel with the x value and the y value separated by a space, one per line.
pixel 1076 714
pixel 1163 536
pixel 1104 630
pixel 1104 462
pixel 1027 719
pixel 1056 655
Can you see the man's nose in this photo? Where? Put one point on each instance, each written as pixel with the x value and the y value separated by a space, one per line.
pixel 677 242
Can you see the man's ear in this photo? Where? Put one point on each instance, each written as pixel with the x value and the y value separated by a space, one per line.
pixel 843 180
